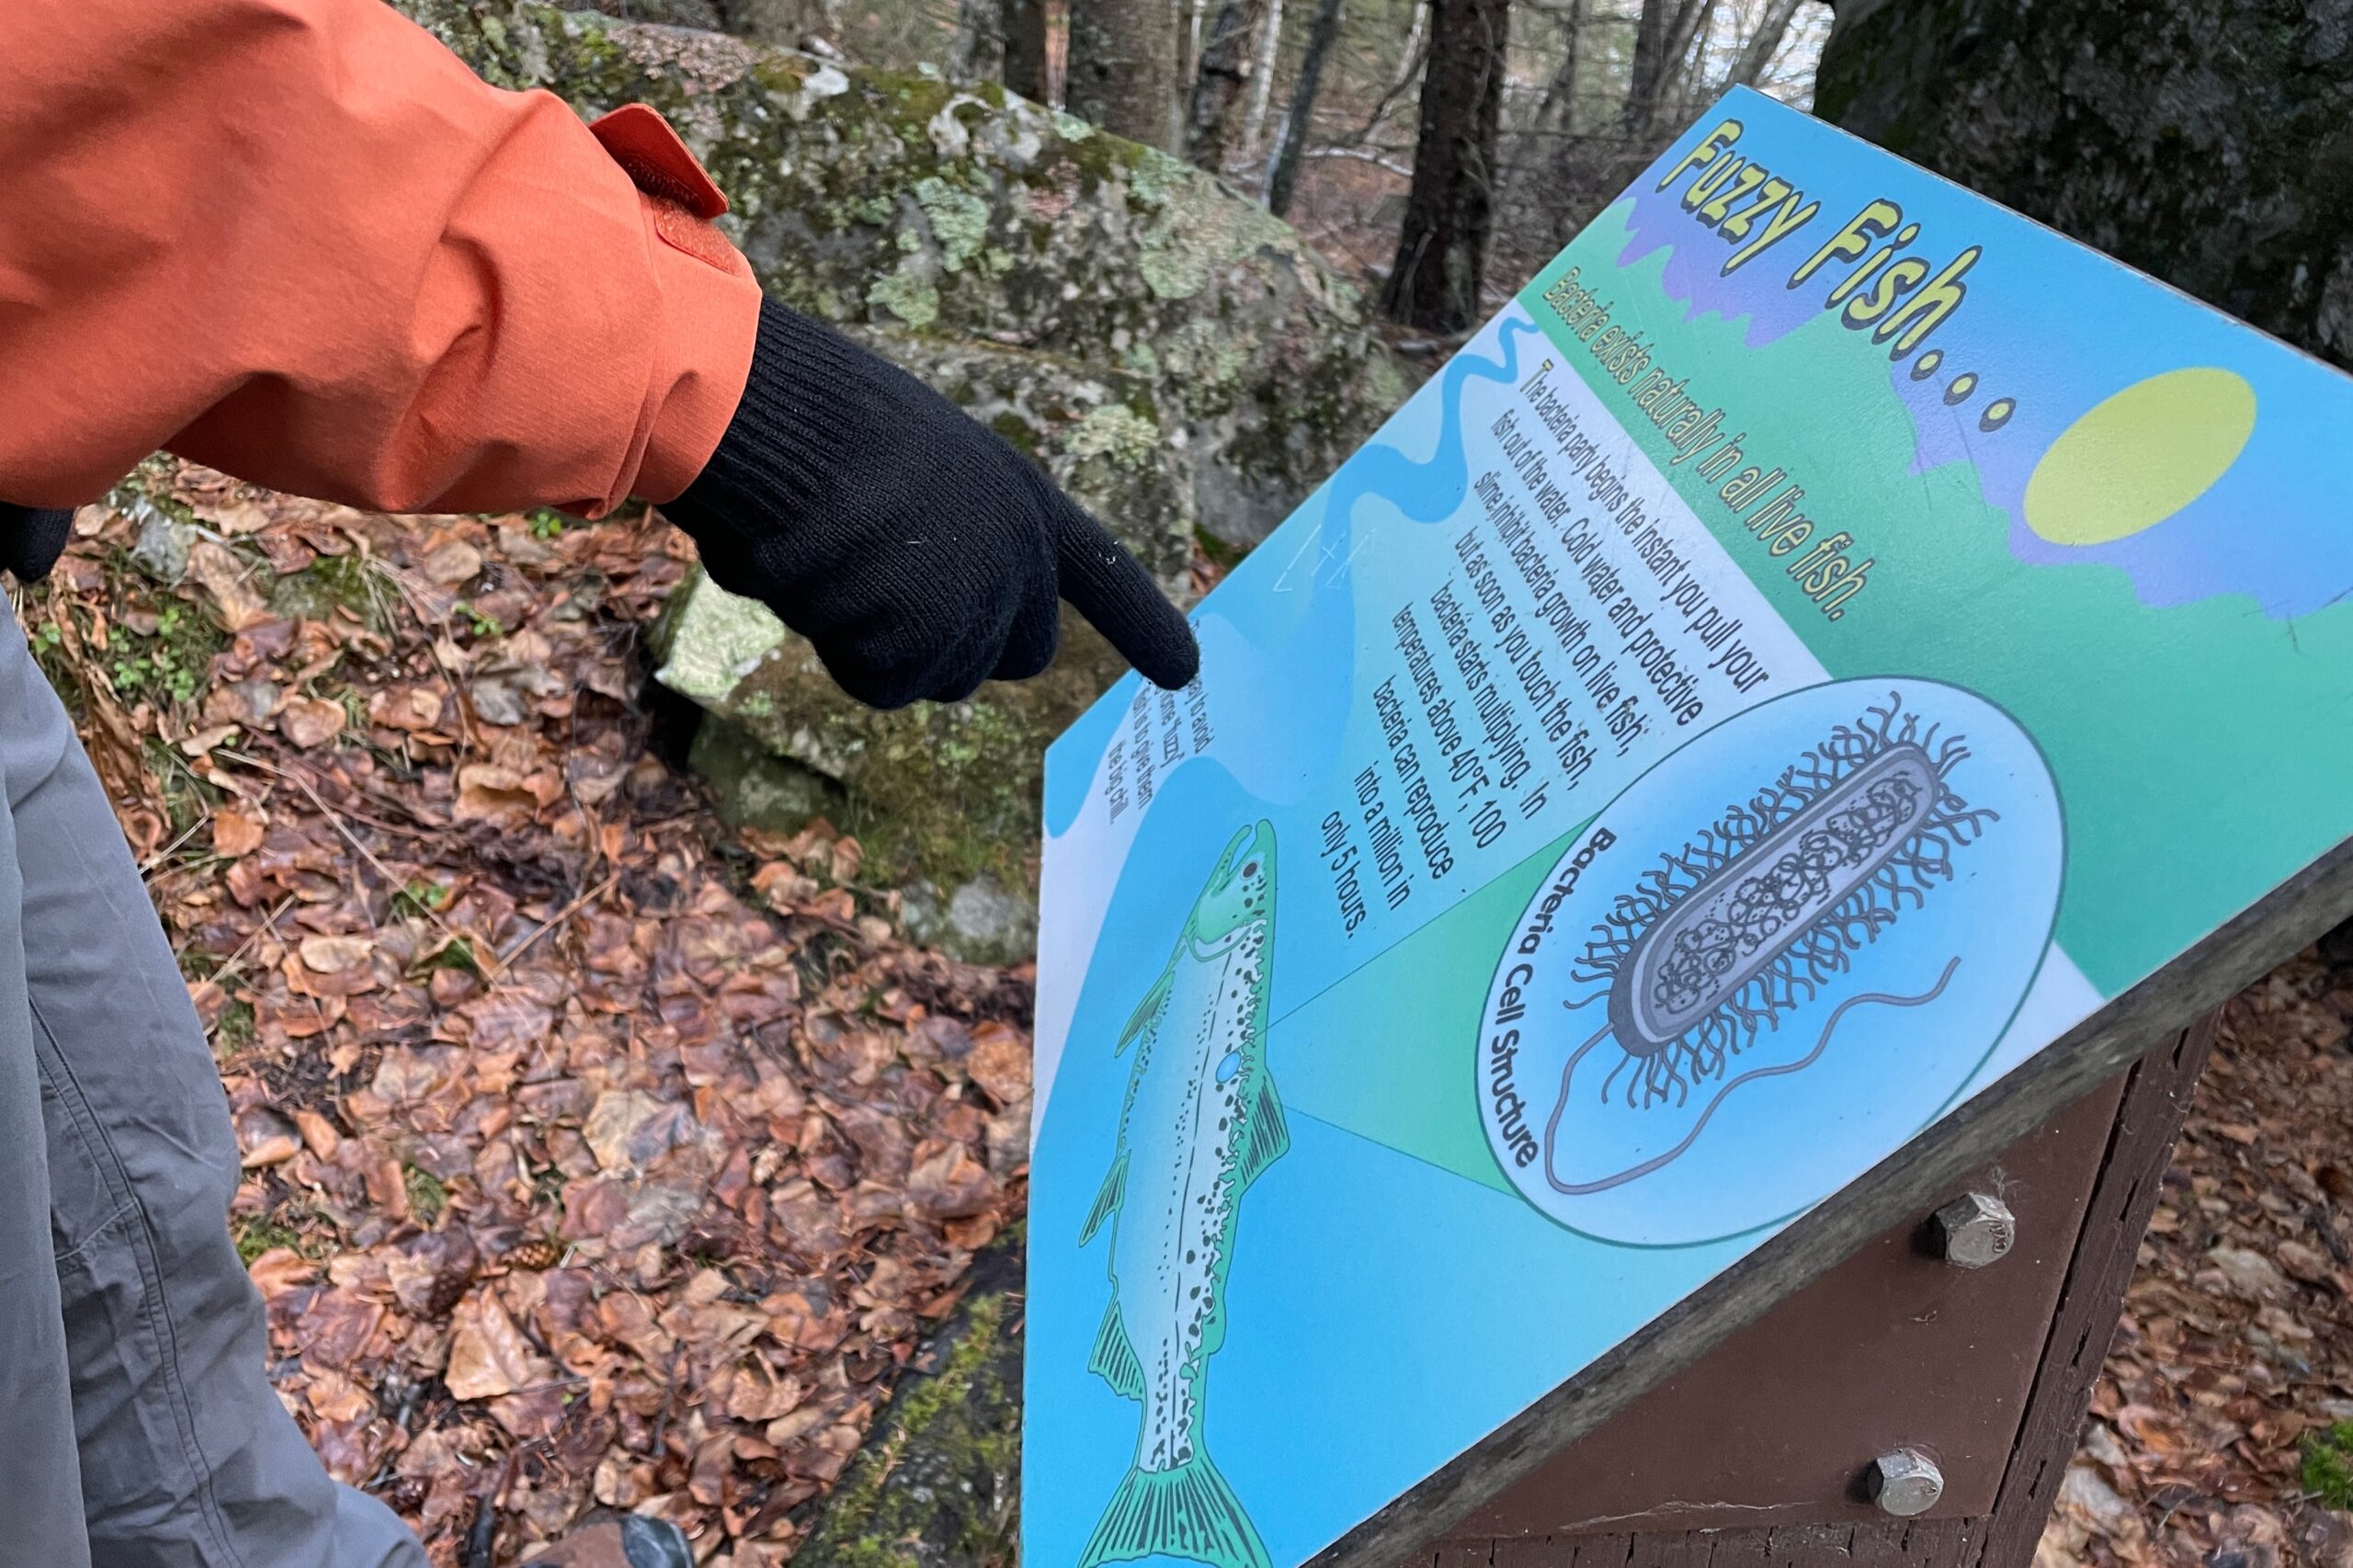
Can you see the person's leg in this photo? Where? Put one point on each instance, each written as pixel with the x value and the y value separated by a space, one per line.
pixel 40 1476
pixel 188 1459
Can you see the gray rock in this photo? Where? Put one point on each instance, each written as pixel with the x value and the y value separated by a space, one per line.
pixel 982 922
pixel 163 544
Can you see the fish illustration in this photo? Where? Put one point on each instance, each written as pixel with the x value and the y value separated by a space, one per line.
pixel 1201 1122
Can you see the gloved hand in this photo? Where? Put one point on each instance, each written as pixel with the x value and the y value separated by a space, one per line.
pixel 914 549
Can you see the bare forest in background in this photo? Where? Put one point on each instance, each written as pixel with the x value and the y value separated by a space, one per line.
pixel 1438 150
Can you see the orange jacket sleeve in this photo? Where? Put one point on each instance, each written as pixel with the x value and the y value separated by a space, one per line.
pixel 300 240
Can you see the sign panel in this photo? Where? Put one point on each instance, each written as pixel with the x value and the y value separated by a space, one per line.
pixel 1819 642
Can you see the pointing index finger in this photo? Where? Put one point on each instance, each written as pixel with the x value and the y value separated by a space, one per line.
pixel 1107 585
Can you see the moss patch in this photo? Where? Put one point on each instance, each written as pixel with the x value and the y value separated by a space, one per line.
pixel 934 1486
pixel 2327 1471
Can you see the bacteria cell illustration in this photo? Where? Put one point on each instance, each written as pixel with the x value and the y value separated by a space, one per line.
pixel 1799 955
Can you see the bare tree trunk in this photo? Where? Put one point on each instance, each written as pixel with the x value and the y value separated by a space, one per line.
pixel 1022 24
pixel 979 48
pixel 1262 81
pixel 1290 142
pixel 1121 68
pixel 1642 72
pixel 1410 61
pixel 1661 36
pixel 1558 109
pixel 1224 76
pixel 1757 53
pixel 1442 249
pixel 1537 185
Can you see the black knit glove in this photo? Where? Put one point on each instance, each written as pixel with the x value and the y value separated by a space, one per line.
pixel 31 539
pixel 916 550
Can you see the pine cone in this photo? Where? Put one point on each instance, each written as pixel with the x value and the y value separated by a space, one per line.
pixel 535 1254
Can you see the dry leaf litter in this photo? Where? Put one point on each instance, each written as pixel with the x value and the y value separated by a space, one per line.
pixel 594 1154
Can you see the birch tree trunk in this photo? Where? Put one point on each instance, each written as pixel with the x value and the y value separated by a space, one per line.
pixel 1262 79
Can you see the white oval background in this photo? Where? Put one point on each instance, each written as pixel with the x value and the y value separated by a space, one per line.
pixel 1777 1145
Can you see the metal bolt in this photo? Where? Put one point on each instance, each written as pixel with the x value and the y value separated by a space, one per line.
pixel 1974 1230
pixel 1905 1482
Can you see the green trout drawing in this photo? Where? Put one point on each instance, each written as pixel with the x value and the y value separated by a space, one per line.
pixel 1201 1122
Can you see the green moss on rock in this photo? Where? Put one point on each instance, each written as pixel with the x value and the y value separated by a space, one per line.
pixel 936 1483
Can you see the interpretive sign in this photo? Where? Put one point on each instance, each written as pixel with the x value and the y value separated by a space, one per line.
pixel 1825 641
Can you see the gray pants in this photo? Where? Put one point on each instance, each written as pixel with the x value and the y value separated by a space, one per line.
pixel 137 1428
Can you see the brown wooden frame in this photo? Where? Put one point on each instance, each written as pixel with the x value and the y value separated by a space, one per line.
pixel 2154 1098
pixel 2164 1007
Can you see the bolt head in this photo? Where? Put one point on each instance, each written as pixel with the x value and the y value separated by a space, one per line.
pixel 1974 1230
pixel 1905 1482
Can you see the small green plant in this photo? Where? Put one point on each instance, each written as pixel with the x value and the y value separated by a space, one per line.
pixel 256 1237
pixel 172 662
pixel 456 953
pixel 234 1031
pixel 482 624
pixel 547 523
pixel 427 1196
pixel 2328 1464
pixel 421 897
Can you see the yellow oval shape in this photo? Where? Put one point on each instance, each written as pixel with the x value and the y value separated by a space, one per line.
pixel 2139 457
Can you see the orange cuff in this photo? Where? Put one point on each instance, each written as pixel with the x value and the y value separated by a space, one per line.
pixel 710 301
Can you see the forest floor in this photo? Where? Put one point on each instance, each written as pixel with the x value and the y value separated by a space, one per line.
pixel 596 1154
pixel 2221 1428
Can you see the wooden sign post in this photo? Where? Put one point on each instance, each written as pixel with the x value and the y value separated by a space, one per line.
pixel 1605 1022
pixel 1981 1365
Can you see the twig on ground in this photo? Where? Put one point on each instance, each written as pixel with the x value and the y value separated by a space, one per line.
pixel 552 921
pixel 335 819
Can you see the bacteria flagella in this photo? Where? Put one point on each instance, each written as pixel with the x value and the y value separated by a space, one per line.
pixel 1751 918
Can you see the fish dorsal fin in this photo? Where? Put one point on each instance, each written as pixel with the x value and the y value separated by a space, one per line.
pixel 1107 1200
pixel 1266 1132
pixel 1114 1356
pixel 1147 1011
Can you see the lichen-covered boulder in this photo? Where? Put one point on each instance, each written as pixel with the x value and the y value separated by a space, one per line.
pixel 906 202
pixel 1176 357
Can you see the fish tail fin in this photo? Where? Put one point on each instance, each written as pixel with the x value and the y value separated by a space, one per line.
pixel 1189 1512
